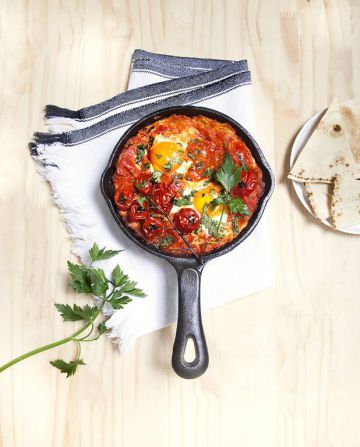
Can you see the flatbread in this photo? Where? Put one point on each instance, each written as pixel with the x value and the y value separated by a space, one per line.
pixel 350 115
pixel 327 151
pixel 345 201
pixel 319 198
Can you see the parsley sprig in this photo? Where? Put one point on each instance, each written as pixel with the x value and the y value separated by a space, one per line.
pixel 228 175
pixel 115 292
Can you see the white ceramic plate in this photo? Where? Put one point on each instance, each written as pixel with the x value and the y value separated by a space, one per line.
pixel 298 145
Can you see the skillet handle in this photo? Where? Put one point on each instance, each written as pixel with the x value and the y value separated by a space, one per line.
pixel 189 325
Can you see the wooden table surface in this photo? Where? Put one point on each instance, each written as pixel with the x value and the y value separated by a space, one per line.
pixel 285 364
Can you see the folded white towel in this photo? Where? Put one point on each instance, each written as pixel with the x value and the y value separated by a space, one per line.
pixel 75 152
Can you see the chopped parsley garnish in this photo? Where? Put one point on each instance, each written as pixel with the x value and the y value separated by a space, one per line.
pixel 191 155
pixel 156 177
pixel 141 200
pixel 243 164
pixel 140 152
pixel 164 242
pixel 235 225
pixel 167 166
pixel 208 172
pixel 142 184
pixel 183 201
pixel 238 206
pixel 146 166
pixel 158 156
pixel 210 224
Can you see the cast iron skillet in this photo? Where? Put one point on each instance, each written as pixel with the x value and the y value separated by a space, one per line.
pixel 187 267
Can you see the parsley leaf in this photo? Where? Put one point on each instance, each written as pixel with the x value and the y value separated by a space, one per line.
pixel 228 174
pixel 238 206
pixel 67 368
pixel 118 277
pixel 76 313
pixel 87 280
pixel 101 327
pixel 100 254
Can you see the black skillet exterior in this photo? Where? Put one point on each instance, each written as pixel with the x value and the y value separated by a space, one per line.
pixel 188 268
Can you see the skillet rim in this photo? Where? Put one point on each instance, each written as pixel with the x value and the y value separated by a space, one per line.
pixel 106 185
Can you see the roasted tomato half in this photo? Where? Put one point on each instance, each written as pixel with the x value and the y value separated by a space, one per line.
pixel 246 186
pixel 153 227
pixel 163 197
pixel 186 220
pixel 124 196
pixel 143 183
pixel 139 211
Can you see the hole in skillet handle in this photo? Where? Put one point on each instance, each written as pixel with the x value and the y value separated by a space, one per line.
pixel 188 268
pixel 189 326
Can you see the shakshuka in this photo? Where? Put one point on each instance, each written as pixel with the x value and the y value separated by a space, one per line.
pixel 186 182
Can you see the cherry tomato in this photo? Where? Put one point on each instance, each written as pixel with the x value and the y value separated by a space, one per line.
pixel 187 220
pixel 137 211
pixel 124 196
pixel 163 196
pixel 143 183
pixel 246 186
pixel 153 227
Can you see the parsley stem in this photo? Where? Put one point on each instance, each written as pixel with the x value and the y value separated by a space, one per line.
pixel 72 337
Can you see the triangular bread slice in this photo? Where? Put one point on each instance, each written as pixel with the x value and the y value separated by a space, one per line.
pixel 327 151
pixel 319 197
pixel 350 115
pixel 345 201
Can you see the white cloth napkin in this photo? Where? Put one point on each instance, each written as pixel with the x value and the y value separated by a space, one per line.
pixel 75 151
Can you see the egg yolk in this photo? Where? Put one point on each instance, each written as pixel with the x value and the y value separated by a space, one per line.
pixel 165 156
pixel 206 195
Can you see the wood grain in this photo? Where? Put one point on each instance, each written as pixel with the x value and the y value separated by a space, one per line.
pixel 285 364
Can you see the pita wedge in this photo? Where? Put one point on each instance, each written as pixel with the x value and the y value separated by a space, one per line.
pixel 319 198
pixel 326 153
pixel 345 201
pixel 350 115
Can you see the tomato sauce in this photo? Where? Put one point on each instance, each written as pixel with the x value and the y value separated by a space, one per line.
pixel 167 188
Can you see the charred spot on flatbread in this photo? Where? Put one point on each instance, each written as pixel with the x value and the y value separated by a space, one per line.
pixel 327 151
pixel 318 195
pixel 345 201
pixel 350 114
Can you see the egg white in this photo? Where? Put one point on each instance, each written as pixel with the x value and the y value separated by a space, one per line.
pixel 182 140
pixel 191 186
